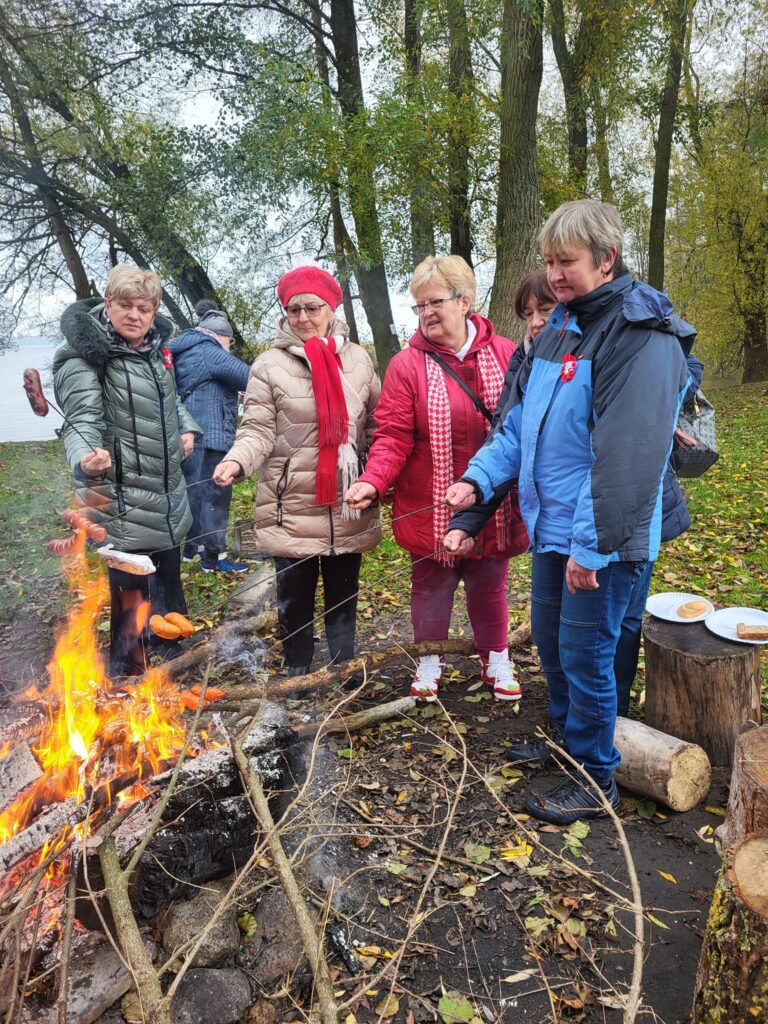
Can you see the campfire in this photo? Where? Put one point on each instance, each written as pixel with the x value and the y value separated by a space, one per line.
pixel 91 735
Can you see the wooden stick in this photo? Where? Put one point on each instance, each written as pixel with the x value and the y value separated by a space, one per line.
pixel 313 945
pixel 154 1010
pixel 360 720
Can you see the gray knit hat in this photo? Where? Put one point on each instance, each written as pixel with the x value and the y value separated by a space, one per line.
pixel 213 319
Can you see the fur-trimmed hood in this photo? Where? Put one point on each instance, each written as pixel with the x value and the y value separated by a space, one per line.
pixel 87 337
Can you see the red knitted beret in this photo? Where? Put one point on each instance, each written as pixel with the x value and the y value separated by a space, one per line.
pixel 309 280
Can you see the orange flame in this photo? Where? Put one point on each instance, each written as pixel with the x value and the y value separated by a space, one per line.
pixel 95 734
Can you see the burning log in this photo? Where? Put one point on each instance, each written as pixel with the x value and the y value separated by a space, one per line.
pixel 18 771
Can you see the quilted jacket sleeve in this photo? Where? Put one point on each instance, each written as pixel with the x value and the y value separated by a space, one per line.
pixel 225 368
pixel 255 436
pixel 79 394
pixel 187 422
pixel 393 438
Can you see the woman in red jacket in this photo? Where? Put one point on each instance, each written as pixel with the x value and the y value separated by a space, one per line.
pixel 430 421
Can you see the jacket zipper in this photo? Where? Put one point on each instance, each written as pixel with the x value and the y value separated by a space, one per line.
pixel 166 466
pixel 133 416
pixel 280 486
pixel 119 495
pixel 330 523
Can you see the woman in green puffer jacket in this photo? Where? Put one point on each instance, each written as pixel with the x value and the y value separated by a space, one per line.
pixel 114 382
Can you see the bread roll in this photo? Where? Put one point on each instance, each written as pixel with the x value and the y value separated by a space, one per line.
pixel 692 609
pixel 745 631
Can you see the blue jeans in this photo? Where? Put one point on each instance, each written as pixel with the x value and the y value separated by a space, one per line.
pixel 578 637
pixel 209 503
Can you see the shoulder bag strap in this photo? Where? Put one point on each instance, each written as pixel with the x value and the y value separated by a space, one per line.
pixel 480 406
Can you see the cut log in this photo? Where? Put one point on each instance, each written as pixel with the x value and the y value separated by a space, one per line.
pixel 673 771
pixel 748 800
pixel 18 770
pixel 732 977
pixel 700 687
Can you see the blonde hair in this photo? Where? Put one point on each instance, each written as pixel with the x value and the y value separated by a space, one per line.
pixel 452 272
pixel 595 225
pixel 128 282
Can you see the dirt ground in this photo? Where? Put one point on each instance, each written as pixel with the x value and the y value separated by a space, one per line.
pixel 515 935
pixel 524 921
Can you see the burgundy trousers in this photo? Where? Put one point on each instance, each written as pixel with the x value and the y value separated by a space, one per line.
pixel 485 584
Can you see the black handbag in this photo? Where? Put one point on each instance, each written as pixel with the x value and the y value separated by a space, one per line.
pixel 694 447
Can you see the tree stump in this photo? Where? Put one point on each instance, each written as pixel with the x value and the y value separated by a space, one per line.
pixel 670 770
pixel 698 686
pixel 732 977
pixel 748 799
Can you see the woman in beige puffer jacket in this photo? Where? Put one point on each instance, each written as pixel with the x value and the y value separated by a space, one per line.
pixel 298 518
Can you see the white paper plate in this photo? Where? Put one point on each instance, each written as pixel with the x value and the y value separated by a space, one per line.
pixel 724 622
pixel 664 606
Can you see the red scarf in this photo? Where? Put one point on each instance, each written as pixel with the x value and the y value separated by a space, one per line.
pixel 332 425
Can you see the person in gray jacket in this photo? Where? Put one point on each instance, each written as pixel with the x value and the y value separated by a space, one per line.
pixel 209 378
pixel 125 437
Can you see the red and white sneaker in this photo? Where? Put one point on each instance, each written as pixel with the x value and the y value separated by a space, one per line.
pixel 499 672
pixel 427 679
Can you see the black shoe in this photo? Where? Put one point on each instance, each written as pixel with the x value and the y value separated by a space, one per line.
pixel 571 800
pixel 297 670
pixel 535 753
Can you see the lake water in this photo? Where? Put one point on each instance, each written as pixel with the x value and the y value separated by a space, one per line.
pixel 17 421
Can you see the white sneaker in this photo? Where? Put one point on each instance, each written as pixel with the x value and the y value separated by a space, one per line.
pixel 499 672
pixel 427 679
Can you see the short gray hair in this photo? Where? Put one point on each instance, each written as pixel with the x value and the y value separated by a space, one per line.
pixel 588 222
pixel 451 272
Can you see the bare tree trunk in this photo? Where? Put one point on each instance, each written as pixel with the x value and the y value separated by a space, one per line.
pixel 517 216
pixel 342 243
pixel 370 272
pixel 602 152
pixel 679 14
pixel 571 64
pixel 462 85
pixel 755 348
pixel 422 226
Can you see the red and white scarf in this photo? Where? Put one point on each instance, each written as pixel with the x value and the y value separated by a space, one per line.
pixel 441 442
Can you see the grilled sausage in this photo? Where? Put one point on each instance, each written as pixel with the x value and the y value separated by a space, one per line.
pixel 34 390
pixel 62 547
pixel 160 627
pixel 183 623
pixel 78 521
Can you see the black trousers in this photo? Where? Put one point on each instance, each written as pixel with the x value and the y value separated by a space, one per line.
pixel 164 592
pixel 209 503
pixel 296 585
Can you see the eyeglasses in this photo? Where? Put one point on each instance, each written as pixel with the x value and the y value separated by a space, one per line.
pixel 310 310
pixel 422 307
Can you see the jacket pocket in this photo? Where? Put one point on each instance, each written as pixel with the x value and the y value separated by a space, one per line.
pixel 280 487
pixel 119 495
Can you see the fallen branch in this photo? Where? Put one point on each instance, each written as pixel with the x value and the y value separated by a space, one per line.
pixel 312 943
pixel 360 720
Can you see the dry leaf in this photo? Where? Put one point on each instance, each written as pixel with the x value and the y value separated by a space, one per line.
pixel 657 921
pixel 388 1006
pixel 513 979
pixel 669 878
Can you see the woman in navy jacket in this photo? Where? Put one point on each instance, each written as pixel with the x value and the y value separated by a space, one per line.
pixel 208 378
pixel 587 435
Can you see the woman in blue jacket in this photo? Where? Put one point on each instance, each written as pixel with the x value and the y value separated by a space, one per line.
pixel 587 434
pixel 209 378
